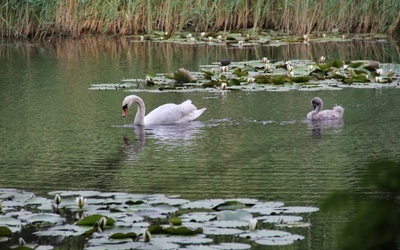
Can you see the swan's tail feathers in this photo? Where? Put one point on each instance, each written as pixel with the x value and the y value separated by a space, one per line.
pixel 187 102
pixel 198 113
pixel 339 110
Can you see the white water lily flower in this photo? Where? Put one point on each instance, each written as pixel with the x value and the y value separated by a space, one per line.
pixel 321 60
pixel 80 201
pixel 219 37
pixel 378 79
pixel 223 86
pixel 390 74
pixel 267 66
pixel 57 199
pixel 240 43
pixel 189 35
pixel 102 222
pixel 253 224
pixel 306 38
pixel 250 79
pixel 289 67
pixel 146 236
pixel 21 242
pixel 311 67
pixel 264 60
pixel 141 38
pixel 210 38
pixel 323 35
pixel 379 71
pixel 224 69
pixel 202 34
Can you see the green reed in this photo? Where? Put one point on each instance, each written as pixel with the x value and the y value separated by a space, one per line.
pixel 41 18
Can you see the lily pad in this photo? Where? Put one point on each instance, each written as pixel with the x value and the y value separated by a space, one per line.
pixel 183 230
pixel 5 231
pixel 238 215
pixel 295 209
pixel 130 235
pixel 198 217
pixel 229 205
pixel 92 219
pixel 44 217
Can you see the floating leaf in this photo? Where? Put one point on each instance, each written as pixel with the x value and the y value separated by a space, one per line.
pixel 176 221
pixel 335 63
pixel 221 231
pixel 5 220
pixel 130 235
pixel 131 202
pixel 154 229
pixel 183 230
pixel 92 219
pixel 285 240
pixel 183 75
pixel 238 215
pixel 5 231
pixel 198 217
pixel 240 73
pixel 229 205
pixel 299 209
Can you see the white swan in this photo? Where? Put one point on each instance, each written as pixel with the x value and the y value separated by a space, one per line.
pixel 169 113
pixel 318 114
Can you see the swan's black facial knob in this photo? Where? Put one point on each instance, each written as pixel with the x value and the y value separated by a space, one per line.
pixel 124 110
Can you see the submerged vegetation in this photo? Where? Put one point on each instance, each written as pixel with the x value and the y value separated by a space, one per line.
pixel 42 18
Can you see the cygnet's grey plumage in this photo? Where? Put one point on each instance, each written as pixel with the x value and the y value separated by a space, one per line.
pixel 318 114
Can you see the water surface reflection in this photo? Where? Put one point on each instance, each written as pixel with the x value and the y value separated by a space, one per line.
pixel 373 209
pixel 318 128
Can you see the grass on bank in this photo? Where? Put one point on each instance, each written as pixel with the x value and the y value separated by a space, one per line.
pixel 42 18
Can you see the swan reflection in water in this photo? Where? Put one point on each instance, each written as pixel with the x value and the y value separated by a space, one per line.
pixel 325 127
pixel 174 135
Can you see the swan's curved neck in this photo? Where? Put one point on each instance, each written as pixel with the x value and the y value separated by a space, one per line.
pixel 317 104
pixel 318 108
pixel 141 111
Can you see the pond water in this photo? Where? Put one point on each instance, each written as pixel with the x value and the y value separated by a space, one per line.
pixel 56 134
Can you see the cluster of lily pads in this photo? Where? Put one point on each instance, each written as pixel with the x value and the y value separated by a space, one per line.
pixel 250 38
pixel 140 221
pixel 268 75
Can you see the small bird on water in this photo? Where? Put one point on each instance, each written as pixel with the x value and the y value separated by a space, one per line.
pixel 225 62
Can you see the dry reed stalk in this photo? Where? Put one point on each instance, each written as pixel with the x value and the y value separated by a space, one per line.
pixel 40 18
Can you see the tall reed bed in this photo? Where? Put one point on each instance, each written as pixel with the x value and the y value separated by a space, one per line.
pixel 42 18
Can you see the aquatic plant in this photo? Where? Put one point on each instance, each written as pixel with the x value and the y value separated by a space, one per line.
pixel 253 76
pixel 39 19
pixel 143 221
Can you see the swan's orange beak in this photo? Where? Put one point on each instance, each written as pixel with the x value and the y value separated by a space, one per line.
pixel 124 110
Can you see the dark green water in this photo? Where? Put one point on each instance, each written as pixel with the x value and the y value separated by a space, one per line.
pixel 56 134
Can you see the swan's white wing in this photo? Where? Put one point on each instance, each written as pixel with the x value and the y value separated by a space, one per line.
pixel 172 113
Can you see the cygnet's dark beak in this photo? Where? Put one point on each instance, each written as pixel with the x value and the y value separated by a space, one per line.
pixel 314 106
